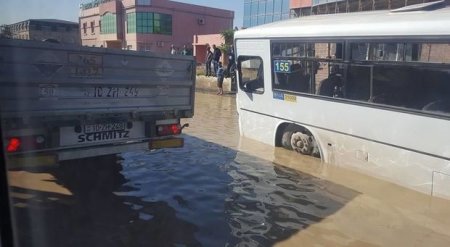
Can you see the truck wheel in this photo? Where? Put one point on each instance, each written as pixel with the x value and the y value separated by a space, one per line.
pixel 302 143
pixel 286 140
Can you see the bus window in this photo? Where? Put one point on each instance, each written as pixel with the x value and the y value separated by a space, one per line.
pixel 307 50
pixel 290 49
pixel 251 74
pixel 388 75
pixel 401 52
pixel 300 67
pixel 358 83
pixel 329 79
pixel 437 93
pixel 359 51
pixel 431 53
pixel 394 86
pixel 329 51
pixel 377 51
pixel 292 75
pixel 418 88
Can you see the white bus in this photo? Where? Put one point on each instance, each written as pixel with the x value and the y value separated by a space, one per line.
pixel 369 91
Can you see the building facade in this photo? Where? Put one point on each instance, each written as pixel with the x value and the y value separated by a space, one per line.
pixel 61 31
pixel 318 7
pixel 148 25
pixel 258 12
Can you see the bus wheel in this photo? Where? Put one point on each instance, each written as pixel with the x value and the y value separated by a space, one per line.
pixel 286 139
pixel 302 143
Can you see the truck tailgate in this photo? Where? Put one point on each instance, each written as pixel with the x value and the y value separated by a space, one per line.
pixel 39 78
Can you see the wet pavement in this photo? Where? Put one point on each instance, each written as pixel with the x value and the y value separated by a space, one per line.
pixel 219 190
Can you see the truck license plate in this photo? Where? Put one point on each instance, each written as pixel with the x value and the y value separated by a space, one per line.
pixel 101 133
pixel 112 92
pixel 93 128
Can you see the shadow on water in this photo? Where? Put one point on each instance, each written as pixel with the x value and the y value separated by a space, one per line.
pixel 93 215
pixel 201 195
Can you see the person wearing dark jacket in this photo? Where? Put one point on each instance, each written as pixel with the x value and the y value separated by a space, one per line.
pixel 208 60
pixel 216 58
pixel 231 61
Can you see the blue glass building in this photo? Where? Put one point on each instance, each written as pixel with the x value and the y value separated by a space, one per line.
pixel 258 12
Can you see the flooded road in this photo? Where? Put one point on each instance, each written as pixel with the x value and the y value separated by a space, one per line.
pixel 219 190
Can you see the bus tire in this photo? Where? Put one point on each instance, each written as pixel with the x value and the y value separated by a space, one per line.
pixel 286 140
pixel 302 143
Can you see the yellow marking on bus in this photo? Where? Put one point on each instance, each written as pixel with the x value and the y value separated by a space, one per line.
pixel 291 98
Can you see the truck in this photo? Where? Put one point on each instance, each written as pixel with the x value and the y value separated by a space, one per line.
pixel 63 102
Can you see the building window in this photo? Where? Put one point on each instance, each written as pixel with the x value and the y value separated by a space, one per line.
pixel 131 22
pixel 163 24
pixel 257 12
pixel 144 22
pixel 269 7
pixel 92 26
pixel 85 28
pixel 100 25
pixel 109 22
pixel 147 22
pixel 262 8
pixel 285 10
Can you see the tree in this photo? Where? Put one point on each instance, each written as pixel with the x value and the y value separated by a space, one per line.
pixel 228 36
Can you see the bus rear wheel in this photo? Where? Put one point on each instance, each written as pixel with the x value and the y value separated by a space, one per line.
pixel 302 143
pixel 286 140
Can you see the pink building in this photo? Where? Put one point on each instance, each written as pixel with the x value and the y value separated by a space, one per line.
pixel 200 43
pixel 152 25
pixel 295 4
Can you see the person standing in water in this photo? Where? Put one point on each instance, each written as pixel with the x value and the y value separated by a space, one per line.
pixel 220 75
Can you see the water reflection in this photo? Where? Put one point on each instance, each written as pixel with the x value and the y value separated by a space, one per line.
pixel 191 180
pixel 231 197
pixel 268 204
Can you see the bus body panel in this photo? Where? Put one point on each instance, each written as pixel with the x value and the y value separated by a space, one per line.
pixel 395 164
pixel 405 146
pixel 356 25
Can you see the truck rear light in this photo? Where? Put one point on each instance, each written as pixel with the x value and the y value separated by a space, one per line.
pixel 25 143
pixel 14 144
pixel 176 129
pixel 171 129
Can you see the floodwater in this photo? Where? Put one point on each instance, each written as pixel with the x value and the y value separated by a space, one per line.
pixel 219 190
